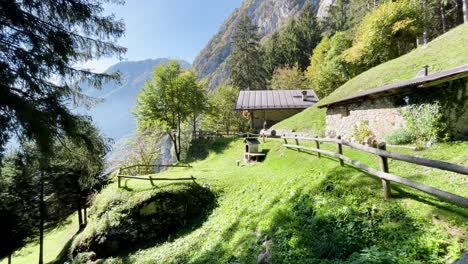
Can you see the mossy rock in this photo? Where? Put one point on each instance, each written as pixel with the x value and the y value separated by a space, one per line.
pixel 161 215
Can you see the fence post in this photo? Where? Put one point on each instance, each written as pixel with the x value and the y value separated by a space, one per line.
pixel 297 143
pixel 340 151
pixel 318 146
pixel 118 178
pixel 384 167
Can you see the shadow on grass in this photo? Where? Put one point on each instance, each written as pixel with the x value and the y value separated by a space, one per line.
pixel 63 256
pixel 159 218
pixel 429 200
pixel 201 148
pixel 343 219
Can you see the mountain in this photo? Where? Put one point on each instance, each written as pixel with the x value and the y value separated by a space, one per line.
pixel 113 115
pixel 268 15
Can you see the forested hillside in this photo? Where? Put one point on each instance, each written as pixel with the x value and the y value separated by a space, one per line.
pixel 268 15
pixel 444 52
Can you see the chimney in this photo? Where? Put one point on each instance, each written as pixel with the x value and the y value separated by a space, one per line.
pixel 304 95
pixel 423 72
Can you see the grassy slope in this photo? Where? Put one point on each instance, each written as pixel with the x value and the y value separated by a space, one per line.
pixel 447 51
pixel 54 240
pixel 313 209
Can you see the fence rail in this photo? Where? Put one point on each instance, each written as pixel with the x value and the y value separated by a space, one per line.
pixel 122 173
pixel 384 174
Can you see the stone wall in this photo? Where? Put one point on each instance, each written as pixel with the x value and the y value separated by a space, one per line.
pixel 381 115
pixel 272 116
pixel 456 107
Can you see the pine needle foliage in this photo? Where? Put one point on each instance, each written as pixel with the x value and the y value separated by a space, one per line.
pixel 41 42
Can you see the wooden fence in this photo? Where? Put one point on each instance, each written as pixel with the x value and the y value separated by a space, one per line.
pixel 215 134
pixel 133 172
pixel 384 174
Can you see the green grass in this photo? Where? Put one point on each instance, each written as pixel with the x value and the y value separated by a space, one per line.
pixel 445 52
pixel 54 241
pixel 313 210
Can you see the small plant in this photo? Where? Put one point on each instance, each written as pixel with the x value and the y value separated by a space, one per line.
pixel 362 132
pixel 399 137
pixel 424 123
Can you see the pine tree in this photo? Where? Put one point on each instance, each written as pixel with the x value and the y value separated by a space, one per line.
pixel 293 44
pixel 43 40
pixel 307 36
pixel 246 61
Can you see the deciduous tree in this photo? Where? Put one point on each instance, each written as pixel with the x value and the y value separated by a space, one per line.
pixel 288 78
pixel 328 70
pixel 168 100
pixel 222 116
pixel 387 32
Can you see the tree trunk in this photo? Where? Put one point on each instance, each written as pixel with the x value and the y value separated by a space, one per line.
pixel 194 125
pixel 174 141
pixel 442 17
pixel 178 139
pixel 465 11
pixel 80 217
pixel 425 37
pixel 85 216
pixel 9 259
pixel 41 222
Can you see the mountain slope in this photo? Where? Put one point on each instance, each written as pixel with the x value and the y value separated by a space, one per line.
pixel 113 115
pixel 268 15
pixel 445 52
pixel 309 210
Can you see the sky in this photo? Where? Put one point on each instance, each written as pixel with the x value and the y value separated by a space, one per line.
pixel 176 29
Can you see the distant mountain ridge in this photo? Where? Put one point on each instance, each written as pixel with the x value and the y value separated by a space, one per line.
pixel 268 15
pixel 113 116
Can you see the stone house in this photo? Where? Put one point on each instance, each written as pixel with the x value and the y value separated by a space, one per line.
pixel 381 108
pixel 268 107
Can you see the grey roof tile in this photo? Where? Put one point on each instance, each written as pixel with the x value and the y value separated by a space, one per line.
pixel 275 99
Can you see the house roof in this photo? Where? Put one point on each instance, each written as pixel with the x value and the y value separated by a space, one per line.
pixel 275 99
pixel 252 141
pixel 406 86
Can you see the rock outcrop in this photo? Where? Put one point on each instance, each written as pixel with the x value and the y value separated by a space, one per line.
pixel 268 15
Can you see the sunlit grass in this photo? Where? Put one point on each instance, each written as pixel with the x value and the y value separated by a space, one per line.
pixel 54 241
pixel 289 195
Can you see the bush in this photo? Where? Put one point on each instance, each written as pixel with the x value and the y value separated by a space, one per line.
pixel 424 123
pixel 361 132
pixel 399 137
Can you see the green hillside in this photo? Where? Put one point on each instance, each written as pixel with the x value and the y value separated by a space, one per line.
pixel 445 52
pixel 311 210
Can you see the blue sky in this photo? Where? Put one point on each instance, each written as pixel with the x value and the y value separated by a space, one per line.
pixel 167 28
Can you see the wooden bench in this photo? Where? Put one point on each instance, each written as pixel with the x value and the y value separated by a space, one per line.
pixel 248 156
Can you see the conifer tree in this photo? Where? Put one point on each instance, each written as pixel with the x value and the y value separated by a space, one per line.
pixel 307 36
pixel 246 61
pixel 41 41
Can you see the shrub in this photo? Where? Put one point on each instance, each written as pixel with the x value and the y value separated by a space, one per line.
pixel 361 132
pixel 399 137
pixel 424 122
